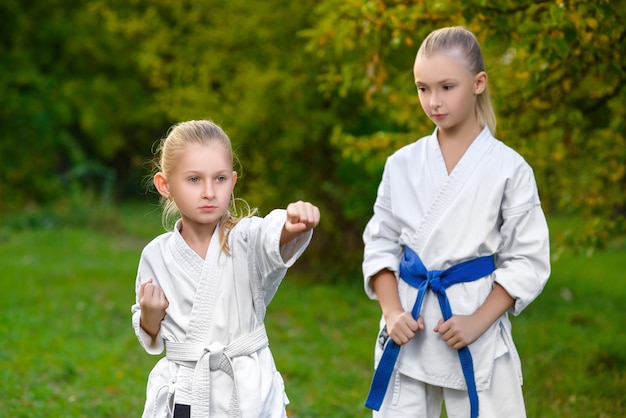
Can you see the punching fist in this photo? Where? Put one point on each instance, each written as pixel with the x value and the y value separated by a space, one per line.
pixel 301 217
pixel 153 304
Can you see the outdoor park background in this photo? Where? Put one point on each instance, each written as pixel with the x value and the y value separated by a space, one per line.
pixel 314 95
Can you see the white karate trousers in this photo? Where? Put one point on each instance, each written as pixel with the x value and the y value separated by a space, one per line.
pixel 410 398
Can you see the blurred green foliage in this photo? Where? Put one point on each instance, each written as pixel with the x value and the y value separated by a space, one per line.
pixel 557 75
pixel 314 95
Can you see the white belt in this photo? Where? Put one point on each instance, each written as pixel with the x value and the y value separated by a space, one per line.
pixel 215 356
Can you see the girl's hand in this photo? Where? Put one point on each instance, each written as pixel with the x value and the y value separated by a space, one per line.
pixel 401 326
pixel 153 303
pixel 460 330
pixel 301 217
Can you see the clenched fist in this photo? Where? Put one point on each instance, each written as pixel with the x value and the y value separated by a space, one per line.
pixel 153 304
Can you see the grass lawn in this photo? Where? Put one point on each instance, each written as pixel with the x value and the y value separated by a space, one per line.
pixel 67 348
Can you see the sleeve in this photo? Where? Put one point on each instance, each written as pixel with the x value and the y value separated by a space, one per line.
pixel 152 347
pixel 523 260
pixel 272 260
pixel 382 249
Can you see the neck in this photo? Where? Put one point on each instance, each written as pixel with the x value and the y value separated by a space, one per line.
pixel 453 144
pixel 197 236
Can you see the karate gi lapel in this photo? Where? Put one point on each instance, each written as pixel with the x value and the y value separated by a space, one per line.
pixel 449 186
pixel 208 289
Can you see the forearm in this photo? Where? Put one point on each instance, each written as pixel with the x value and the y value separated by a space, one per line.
pixel 152 344
pixel 151 326
pixel 287 236
pixel 496 304
pixel 385 286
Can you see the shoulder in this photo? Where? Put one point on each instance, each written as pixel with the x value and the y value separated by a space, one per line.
pixel 508 152
pixel 520 186
pixel 410 153
pixel 507 160
pixel 246 223
pixel 275 216
pixel 410 149
pixel 157 243
pixel 256 231
pixel 245 228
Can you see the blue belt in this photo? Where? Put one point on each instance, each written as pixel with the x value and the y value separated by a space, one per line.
pixel 413 272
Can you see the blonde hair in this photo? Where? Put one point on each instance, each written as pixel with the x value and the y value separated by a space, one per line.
pixel 179 136
pixel 460 38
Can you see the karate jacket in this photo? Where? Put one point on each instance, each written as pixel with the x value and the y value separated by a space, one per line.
pixel 214 303
pixel 488 204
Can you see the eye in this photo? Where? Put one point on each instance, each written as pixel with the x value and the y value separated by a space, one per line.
pixel 448 87
pixel 194 179
pixel 421 89
pixel 221 178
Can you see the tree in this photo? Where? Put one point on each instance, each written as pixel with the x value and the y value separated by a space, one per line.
pixel 557 74
pixel 314 95
pixel 246 70
pixel 129 70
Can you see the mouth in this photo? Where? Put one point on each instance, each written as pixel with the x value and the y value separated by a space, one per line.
pixel 207 208
pixel 438 116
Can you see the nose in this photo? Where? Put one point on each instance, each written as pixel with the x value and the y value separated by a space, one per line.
pixel 434 100
pixel 208 191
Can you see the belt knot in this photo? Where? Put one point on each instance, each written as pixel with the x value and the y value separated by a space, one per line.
pixel 433 277
pixel 215 351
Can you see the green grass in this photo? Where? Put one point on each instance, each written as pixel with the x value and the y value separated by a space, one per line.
pixel 67 347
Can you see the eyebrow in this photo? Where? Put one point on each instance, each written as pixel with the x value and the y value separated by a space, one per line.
pixel 444 81
pixel 204 172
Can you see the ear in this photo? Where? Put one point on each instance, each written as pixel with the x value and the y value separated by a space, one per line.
pixel 480 82
pixel 160 182
pixel 234 178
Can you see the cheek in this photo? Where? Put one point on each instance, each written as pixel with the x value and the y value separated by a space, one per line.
pixel 424 102
pixel 469 100
pixel 226 190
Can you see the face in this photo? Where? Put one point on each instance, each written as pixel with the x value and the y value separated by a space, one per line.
pixel 447 90
pixel 201 184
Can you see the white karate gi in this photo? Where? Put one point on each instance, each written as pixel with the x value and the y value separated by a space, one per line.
pixel 213 302
pixel 488 204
